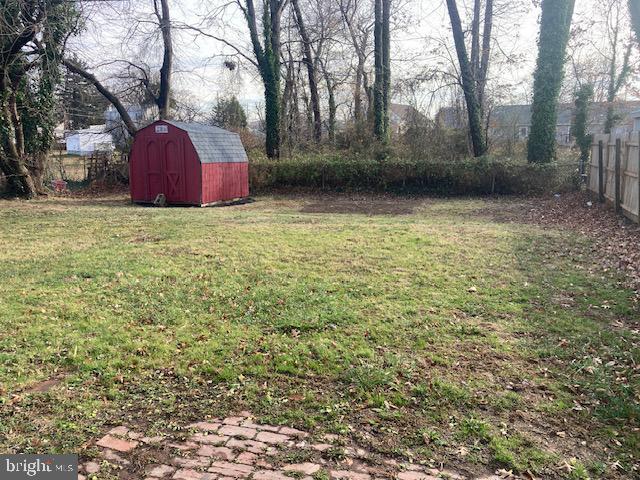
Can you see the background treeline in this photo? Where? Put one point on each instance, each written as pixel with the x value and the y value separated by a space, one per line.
pixel 328 75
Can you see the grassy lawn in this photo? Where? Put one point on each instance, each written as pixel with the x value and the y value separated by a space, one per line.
pixel 436 334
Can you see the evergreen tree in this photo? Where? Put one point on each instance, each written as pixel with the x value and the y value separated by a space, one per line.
pixel 228 113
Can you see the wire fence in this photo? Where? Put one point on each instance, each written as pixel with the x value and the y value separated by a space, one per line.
pixel 86 169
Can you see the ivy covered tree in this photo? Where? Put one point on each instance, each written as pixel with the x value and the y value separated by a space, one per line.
pixel 32 35
pixel 382 58
pixel 555 26
pixel 267 59
pixel 580 123
pixel 228 113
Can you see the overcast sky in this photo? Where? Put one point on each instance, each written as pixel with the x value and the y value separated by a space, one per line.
pixel 421 21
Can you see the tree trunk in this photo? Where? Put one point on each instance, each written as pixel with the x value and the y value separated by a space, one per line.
pixel 115 101
pixel 13 163
pixel 164 95
pixel 475 39
pixel 332 103
pixel 616 80
pixel 378 95
pixel 555 26
pixel 483 70
pixel 285 107
pixel 386 65
pixel 311 72
pixel 476 132
pixel 357 92
pixel 332 114
pixel 272 115
pixel 268 62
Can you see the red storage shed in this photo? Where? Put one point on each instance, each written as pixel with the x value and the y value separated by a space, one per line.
pixel 191 164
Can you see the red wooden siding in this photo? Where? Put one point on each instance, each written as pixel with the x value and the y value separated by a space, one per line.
pixel 168 163
pixel 224 181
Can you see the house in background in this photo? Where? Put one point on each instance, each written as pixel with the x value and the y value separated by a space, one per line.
pixel 402 116
pixel 141 117
pixel 513 122
pixel 87 141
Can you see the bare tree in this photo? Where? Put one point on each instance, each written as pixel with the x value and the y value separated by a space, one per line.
pixel 164 22
pixel 359 26
pixel 480 57
pixel 110 96
pixel 158 92
pixel 311 71
pixel 468 79
pixel 618 74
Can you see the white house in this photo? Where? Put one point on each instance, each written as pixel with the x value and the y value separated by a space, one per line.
pixel 87 141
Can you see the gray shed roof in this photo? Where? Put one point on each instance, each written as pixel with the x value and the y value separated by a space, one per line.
pixel 213 144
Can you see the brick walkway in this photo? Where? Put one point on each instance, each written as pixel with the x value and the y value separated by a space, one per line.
pixel 236 448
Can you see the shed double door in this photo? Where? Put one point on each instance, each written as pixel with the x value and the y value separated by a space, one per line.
pixel 165 170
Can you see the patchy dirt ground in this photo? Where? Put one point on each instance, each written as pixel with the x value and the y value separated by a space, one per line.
pixel 616 240
pixel 363 205
pixel 449 332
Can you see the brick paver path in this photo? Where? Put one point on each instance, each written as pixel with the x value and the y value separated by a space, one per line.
pixel 236 448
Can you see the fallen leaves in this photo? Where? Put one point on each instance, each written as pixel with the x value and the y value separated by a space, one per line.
pixel 615 246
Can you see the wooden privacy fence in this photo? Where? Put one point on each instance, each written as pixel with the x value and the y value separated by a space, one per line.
pixel 614 172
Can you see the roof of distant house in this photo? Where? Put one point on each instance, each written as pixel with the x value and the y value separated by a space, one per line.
pixel 520 115
pixel 402 112
pixel 91 130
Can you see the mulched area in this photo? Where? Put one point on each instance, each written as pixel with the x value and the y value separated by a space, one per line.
pixel 616 240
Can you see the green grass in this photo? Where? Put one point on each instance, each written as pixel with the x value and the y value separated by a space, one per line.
pixel 444 334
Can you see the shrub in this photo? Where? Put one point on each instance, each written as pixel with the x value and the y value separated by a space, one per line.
pixel 355 172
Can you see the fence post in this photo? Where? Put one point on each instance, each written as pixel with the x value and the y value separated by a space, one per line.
pixel 600 171
pixel 617 174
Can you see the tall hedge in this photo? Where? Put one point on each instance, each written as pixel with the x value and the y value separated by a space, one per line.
pixel 469 176
pixel 555 25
